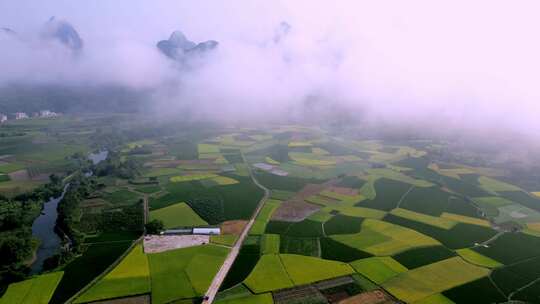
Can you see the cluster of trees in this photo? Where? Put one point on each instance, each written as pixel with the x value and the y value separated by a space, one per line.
pixel 80 187
pixel 16 217
pixel 114 166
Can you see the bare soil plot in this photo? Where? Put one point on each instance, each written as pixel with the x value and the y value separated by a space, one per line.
pixel 160 243
pixel 294 211
pixel 233 227
pixel 19 175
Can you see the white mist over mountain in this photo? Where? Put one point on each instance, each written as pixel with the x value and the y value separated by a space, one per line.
pixel 457 64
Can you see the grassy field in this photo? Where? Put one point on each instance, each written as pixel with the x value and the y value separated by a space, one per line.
pixel 476 258
pixel 493 185
pixel 130 277
pixel 269 274
pixel 184 273
pixel 156 172
pixel 259 226
pixel 440 222
pixel 378 269
pixel 177 215
pixel 382 238
pixel 270 243
pixel 226 239
pixel 38 290
pixel 419 283
pixel 304 270
pixel 287 270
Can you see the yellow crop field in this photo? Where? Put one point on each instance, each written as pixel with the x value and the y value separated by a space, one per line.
pixel 271 161
pixel 435 299
pixel 465 219
pixel 425 281
pixel 130 277
pixel 224 180
pixel 424 218
pixel 378 269
pixel 383 239
pixel 536 193
pixel 476 258
pixel 191 177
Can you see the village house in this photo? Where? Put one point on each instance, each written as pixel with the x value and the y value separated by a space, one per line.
pixel 3 118
pixel 20 115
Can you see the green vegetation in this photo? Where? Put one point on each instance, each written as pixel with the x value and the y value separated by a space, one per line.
pixel 224 239
pixel 264 216
pixel 177 215
pixel 389 193
pixel 378 269
pixel 301 246
pixel 460 236
pixel 475 258
pixel 304 270
pixel 38 290
pixel 82 270
pixel 480 291
pixel 191 177
pixel 287 270
pixel 422 256
pixel 122 197
pixel 269 274
pixel 342 224
pixel 381 238
pixel 334 250
pixel 188 276
pixel 493 185
pixel 440 222
pixel 425 281
pixel 270 243
pixel 130 277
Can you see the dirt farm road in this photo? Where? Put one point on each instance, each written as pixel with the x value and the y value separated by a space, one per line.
pixel 231 257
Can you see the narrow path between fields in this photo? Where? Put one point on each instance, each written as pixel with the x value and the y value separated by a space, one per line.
pixel 145 206
pixel 224 270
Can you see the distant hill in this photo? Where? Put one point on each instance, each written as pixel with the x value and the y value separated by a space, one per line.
pixel 70 99
pixel 63 32
pixel 179 48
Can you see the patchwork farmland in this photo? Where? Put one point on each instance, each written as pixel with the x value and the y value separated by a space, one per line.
pixel 352 220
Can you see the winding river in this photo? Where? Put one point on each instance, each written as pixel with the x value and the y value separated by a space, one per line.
pixel 43 226
pixel 43 229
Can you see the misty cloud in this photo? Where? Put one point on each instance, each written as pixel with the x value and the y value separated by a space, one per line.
pixel 442 65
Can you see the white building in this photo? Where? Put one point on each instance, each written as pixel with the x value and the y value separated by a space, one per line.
pixel 47 113
pixel 20 115
pixel 206 231
pixel 3 118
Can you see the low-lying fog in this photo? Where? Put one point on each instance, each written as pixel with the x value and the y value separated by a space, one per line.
pixel 457 65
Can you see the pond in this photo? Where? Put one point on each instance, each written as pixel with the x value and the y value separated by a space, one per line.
pixel 43 229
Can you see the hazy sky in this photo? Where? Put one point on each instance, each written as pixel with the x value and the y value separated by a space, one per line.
pixel 451 63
